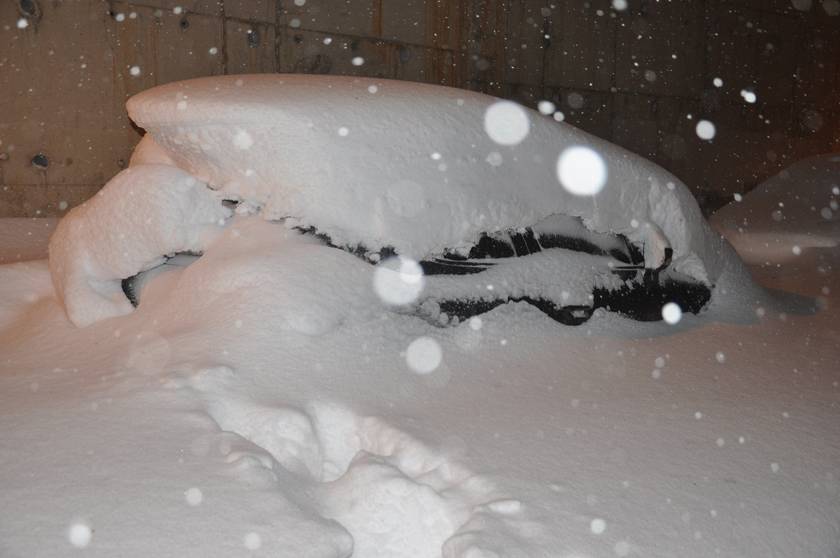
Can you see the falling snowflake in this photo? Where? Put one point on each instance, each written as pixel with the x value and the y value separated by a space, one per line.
pixel 494 158
pixel 398 280
pixel 581 171
pixel 506 123
pixel 705 130
pixel 671 313
pixel 79 535
pixel 252 541
pixel 423 355
pixel 193 496
pixel 546 107
pixel 575 100
pixel 243 140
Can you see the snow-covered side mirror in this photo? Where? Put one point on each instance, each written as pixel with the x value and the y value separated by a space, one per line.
pixel 139 216
pixel 657 248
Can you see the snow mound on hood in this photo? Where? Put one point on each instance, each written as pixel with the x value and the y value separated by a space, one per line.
pixel 411 166
pixel 142 214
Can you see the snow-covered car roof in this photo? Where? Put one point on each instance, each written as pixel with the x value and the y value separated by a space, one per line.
pixel 416 167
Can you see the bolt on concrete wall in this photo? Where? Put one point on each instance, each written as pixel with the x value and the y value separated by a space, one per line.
pixel 640 73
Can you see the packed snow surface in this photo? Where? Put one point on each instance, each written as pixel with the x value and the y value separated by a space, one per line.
pixel 417 167
pixel 262 400
pixel 248 409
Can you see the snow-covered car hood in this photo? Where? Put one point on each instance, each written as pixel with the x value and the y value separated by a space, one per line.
pixel 407 165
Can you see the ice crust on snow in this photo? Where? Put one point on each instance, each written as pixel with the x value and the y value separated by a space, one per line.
pixel 378 186
pixel 144 213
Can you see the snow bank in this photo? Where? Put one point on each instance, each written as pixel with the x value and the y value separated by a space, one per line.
pixel 142 214
pixel 417 167
pixel 794 210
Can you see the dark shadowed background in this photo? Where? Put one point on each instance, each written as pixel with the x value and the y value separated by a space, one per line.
pixel 639 73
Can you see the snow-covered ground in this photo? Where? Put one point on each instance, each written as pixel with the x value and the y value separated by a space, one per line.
pixel 245 410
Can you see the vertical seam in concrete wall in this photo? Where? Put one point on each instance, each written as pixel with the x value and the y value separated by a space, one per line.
pixel 794 98
pixel 613 75
pixel 278 17
pixel 376 18
pixel 223 14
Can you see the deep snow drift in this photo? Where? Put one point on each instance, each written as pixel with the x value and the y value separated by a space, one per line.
pixel 417 167
pixel 425 169
pixel 245 409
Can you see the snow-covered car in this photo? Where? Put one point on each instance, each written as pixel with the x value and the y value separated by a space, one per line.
pixel 462 201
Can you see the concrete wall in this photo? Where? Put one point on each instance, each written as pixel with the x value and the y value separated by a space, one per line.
pixel 640 77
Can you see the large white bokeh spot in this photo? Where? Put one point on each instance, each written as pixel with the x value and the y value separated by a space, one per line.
pixel 506 123
pixel 423 355
pixel 398 281
pixel 581 171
